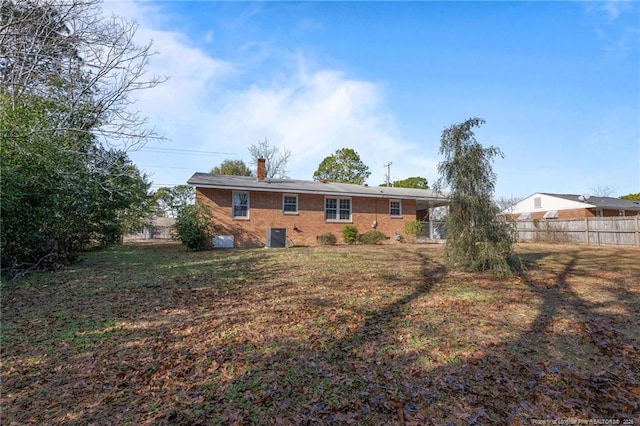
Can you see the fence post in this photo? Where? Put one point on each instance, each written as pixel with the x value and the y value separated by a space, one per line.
pixel 586 230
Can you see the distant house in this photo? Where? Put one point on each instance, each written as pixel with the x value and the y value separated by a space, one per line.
pixel 569 206
pixel 249 211
pixel 160 228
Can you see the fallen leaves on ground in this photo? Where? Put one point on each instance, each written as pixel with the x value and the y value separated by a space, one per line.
pixel 150 334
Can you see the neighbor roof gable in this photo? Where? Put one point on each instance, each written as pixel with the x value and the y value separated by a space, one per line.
pixel 550 201
pixel 590 201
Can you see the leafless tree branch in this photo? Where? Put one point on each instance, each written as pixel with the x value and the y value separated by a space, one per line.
pixel 68 52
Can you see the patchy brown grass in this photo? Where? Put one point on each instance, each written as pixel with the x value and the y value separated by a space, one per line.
pixel 150 334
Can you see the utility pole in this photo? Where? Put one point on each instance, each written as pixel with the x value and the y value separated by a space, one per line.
pixel 388 166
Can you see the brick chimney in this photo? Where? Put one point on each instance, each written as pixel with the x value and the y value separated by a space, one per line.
pixel 262 168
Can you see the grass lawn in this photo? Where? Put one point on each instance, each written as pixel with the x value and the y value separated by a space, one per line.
pixel 151 334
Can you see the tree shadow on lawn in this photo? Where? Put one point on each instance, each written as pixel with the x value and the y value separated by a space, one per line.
pixel 215 352
pixel 572 360
pixel 315 382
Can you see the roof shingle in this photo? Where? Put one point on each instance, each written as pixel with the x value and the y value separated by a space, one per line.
pixel 208 180
pixel 600 202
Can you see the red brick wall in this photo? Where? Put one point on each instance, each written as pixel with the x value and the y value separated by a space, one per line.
pixel 574 213
pixel 571 214
pixel 265 211
pixel 611 213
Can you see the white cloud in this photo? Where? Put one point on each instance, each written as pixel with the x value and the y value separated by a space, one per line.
pixel 311 111
pixel 616 24
pixel 313 114
pixel 610 8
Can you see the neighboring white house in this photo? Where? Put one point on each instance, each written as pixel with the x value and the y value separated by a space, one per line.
pixel 568 206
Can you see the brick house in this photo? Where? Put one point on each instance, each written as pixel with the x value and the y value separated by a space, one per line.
pixel 568 206
pixel 248 209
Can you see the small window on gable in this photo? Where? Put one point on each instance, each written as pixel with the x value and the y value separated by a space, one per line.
pixel 537 203
pixel 395 208
pixel 240 209
pixel 290 203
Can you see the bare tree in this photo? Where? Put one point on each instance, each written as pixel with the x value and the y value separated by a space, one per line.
pixel 276 159
pixel 603 191
pixel 86 64
pixel 507 203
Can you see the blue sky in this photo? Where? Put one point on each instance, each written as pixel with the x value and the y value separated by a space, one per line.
pixel 558 84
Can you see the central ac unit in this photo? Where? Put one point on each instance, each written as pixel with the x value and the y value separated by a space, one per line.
pixel 276 237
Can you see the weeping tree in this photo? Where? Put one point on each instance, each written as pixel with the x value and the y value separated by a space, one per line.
pixel 476 238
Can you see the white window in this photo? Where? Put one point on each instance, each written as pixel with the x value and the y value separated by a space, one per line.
pixel 598 212
pixel 620 212
pixel 537 203
pixel 240 205
pixel 290 203
pixel 395 208
pixel 337 209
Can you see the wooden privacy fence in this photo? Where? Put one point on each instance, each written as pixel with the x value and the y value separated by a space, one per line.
pixel 615 231
pixel 160 228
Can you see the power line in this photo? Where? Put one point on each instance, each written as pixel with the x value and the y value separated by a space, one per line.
pixel 186 151
pixel 165 167
pixel 167 184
